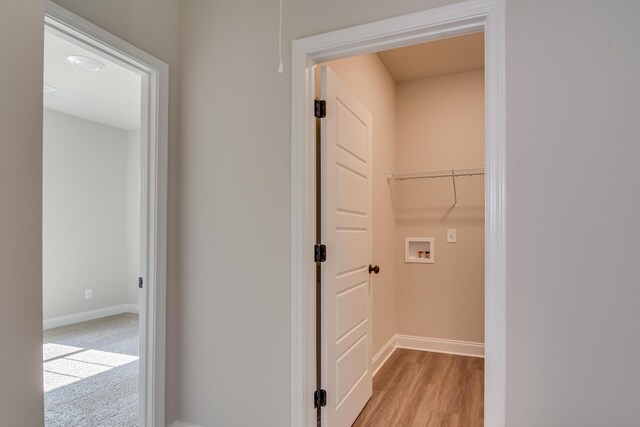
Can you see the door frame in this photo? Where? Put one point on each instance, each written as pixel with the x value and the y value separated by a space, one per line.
pixel 437 23
pixel 153 191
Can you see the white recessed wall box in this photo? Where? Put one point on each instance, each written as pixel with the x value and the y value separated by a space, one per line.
pixel 419 250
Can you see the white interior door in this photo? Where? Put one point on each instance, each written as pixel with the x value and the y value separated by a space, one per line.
pixel 346 231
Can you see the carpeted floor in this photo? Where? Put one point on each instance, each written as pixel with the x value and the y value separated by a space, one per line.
pixel 91 373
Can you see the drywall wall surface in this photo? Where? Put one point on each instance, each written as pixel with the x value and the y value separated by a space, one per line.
pixel 440 126
pixel 235 218
pixel 235 198
pixel 85 214
pixel 133 217
pixel 21 53
pixel 573 209
pixel 441 122
pixel 369 81
pixel 310 18
pixel 153 26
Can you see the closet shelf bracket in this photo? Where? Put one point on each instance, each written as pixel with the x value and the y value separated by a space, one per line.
pixel 455 192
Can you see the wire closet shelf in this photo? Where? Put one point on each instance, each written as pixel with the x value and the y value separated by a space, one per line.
pixel 397 178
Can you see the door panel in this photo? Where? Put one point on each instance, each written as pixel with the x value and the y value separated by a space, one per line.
pixel 351 368
pixel 349 246
pixel 346 280
pixel 346 230
pixel 351 191
pixel 351 131
pixel 351 308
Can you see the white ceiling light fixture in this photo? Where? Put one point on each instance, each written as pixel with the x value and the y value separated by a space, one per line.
pixel 48 88
pixel 86 63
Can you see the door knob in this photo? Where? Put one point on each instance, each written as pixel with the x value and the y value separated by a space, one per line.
pixel 375 269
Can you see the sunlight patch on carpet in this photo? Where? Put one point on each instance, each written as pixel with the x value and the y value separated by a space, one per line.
pixel 66 365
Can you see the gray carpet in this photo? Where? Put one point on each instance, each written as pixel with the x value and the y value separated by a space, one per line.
pixel 91 373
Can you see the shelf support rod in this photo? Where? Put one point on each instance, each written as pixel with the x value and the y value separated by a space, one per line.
pixel 455 192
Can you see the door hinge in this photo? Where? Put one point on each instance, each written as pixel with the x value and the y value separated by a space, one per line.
pixel 320 398
pixel 320 253
pixel 320 108
pixel 140 282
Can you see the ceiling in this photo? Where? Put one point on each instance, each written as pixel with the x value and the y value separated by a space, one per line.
pixel 110 96
pixel 437 58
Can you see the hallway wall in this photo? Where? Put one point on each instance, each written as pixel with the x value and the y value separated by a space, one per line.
pixel 21 392
pixel 572 184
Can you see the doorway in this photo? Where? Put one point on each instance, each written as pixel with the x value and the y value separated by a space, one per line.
pixel 91 237
pixel 403 212
pixel 441 23
pixel 105 156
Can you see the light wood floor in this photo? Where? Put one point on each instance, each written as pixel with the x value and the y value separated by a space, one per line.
pixel 417 388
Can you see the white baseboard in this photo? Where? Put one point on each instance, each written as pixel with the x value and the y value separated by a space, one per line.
pixel 383 355
pixel 436 345
pixel 131 308
pixel 56 322
pixel 181 424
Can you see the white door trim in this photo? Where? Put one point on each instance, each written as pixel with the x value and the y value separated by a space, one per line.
pixel 153 212
pixel 459 18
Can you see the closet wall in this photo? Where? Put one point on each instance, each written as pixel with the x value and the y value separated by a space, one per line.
pixel 440 125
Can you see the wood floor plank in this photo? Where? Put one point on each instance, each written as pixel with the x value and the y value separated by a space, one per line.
pixel 387 373
pixel 366 417
pixel 417 388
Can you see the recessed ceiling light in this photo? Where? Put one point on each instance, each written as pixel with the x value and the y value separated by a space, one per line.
pixel 86 63
pixel 48 89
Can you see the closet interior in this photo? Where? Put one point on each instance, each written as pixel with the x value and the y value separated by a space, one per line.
pixel 428 196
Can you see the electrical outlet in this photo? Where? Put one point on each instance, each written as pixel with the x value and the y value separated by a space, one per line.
pixel 452 235
pixel 88 294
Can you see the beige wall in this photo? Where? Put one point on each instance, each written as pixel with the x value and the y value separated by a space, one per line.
pixel 235 217
pixel 572 160
pixel 441 122
pixel 370 82
pixel 441 126
pixel 21 50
